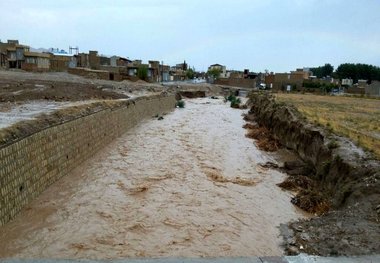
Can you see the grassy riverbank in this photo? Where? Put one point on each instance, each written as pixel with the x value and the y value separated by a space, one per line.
pixel 356 118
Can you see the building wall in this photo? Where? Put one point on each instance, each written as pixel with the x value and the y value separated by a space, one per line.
pixel 235 75
pixel 282 80
pixel 238 82
pixel 3 61
pixel 105 61
pixel 373 89
pixel 43 63
pixel 347 82
pixel 35 64
pixel 32 164
pixel 269 80
pixel 82 60
pixel 355 90
pixel 94 60
pixel 62 63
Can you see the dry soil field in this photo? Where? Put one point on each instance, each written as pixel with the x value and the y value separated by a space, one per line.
pixel 356 118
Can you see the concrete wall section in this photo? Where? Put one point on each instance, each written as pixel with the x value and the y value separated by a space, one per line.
pixel 30 165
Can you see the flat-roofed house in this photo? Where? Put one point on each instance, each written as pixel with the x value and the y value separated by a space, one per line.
pixel 34 61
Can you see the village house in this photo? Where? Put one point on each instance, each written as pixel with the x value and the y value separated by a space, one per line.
pixel 3 59
pixel 269 80
pixel 3 55
pixel 93 59
pixel 287 81
pixel 358 88
pixel 13 54
pixel 34 61
pixel 290 81
pixel 177 74
pixel 373 89
pixel 90 60
pixel 347 82
pixel 165 71
pixel 104 61
pixel 222 69
pixel 242 79
pixel 132 69
pixel 362 83
pixel 60 60
pixel 82 60
pixel 182 66
pixel 117 61
pixel 235 74
pixel 154 71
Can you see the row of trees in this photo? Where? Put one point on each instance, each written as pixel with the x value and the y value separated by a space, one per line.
pixel 358 71
pixel 323 71
pixel 348 70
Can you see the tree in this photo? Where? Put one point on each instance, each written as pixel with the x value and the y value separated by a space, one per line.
pixel 142 72
pixel 358 71
pixel 323 71
pixel 190 74
pixel 215 73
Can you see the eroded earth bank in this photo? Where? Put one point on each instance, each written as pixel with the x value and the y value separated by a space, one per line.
pixel 189 185
pixel 336 180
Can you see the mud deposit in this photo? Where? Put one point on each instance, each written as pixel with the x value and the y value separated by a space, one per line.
pixel 189 185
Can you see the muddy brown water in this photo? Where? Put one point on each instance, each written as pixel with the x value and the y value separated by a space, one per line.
pixel 185 186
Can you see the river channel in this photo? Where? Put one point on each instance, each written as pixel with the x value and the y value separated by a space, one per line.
pixel 190 185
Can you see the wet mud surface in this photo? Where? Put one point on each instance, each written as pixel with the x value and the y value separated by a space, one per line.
pixel 190 185
pixel 25 90
pixel 11 113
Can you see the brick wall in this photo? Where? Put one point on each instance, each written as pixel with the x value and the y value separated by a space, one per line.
pixel 32 164
pixel 355 90
pixel 32 67
pixel 237 82
pixel 282 80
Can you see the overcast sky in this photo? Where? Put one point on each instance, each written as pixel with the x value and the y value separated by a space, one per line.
pixel 278 35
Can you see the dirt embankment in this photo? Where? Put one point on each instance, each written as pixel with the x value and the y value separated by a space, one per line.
pixel 18 90
pixel 336 176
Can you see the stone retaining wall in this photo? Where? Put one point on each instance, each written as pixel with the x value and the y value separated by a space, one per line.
pixel 32 164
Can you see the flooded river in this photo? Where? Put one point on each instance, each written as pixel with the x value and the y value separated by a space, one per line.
pixel 185 186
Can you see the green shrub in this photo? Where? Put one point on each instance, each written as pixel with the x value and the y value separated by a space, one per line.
pixel 333 144
pixel 235 102
pixel 142 72
pixel 231 98
pixel 180 104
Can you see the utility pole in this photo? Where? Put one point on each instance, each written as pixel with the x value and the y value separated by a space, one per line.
pixel 74 48
pixel 162 71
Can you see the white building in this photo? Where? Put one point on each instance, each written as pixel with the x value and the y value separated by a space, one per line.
pixel 347 82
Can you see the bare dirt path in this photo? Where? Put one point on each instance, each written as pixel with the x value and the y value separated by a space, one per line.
pixel 186 186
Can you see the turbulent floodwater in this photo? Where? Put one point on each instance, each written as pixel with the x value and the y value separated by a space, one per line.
pixel 186 186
